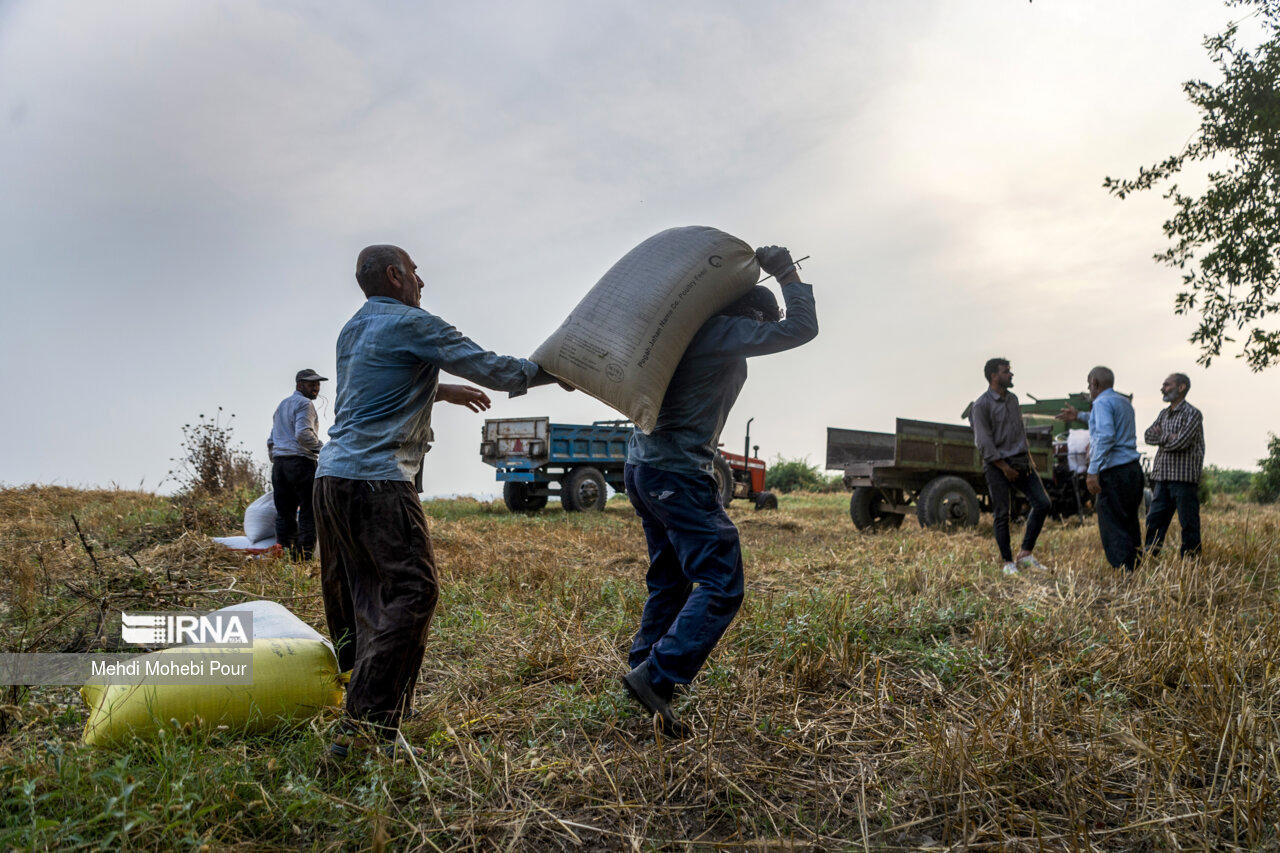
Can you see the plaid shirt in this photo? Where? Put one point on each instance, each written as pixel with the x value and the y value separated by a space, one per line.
pixel 1179 435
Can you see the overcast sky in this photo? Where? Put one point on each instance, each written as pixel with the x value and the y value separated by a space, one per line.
pixel 184 187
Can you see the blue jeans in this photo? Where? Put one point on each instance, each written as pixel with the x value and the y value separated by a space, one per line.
pixel 1185 499
pixel 695 572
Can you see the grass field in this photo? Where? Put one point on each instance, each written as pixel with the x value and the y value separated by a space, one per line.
pixel 886 691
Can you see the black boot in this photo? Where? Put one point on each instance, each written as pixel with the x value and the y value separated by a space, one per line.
pixel 643 691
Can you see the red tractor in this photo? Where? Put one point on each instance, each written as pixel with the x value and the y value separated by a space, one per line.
pixel 742 475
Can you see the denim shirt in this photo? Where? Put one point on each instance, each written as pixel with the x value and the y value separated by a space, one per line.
pixel 708 379
pixel 1113 437
pixel 293 428
pixel 389 360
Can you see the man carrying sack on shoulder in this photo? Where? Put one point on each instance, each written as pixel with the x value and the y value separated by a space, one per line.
pixel 695 576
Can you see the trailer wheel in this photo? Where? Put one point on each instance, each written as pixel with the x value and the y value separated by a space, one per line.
pixel 766 500
pixel 584 490
pixel 517 498
pixel 723 475
pixel 948 503
pixel 867 509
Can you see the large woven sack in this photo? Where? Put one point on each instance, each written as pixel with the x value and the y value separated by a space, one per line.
pixel 295 675
pixel 622 343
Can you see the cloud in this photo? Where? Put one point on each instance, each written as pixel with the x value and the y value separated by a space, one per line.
pixel 186 186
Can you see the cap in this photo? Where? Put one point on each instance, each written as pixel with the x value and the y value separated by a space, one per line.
pixel 309 375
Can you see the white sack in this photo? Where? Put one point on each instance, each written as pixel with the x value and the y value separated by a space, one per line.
pixel 243 543
pixel 1078 451
pixel 273 621
pixel 260 519
pixel 625 338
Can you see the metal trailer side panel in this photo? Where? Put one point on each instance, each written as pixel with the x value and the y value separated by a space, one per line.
pixel 936 446
pixel 846 447
pixel 598 445
pixel 949 448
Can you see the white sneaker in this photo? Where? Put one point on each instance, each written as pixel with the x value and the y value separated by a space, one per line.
pixel 1010 568
pixel 1030 562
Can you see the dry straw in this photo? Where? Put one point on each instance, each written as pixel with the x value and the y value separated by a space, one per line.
pixel 888 691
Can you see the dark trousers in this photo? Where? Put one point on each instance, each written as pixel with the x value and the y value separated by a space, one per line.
pixel 695 577
pixel 378 575
pixel 291 484
pixel 1118 508
pixel 1184 498
pixel 1001 487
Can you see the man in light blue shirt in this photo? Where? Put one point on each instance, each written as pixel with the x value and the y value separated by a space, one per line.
pixel 695 576
pixel 378 571
pixel 1115 476
pixel 293 448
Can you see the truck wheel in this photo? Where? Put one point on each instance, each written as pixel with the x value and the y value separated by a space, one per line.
pixel 867 509
pixel 584 490
pixel 723 475
pixel 517 498
pixel 766 500
pixel 948 503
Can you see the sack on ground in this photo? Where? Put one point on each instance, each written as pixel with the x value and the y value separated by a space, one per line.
pixel 260 519
pixel 295 675
pixel 622 343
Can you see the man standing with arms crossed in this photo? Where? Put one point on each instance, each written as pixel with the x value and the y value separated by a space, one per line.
pixel 1001 437
pixel 378 571
pixel 1178 433
pixel 293 449
pixel 695 576
pixel 1115 476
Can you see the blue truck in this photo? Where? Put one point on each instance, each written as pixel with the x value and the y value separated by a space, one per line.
pixel 537 459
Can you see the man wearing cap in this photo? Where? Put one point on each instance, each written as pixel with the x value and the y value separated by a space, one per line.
pixel 377 568
pixel 293 448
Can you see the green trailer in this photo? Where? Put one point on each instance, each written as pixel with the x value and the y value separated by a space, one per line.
pixel 934 469
pixel 931 469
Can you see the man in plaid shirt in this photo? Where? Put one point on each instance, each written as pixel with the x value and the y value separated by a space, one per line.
pixel 1179 434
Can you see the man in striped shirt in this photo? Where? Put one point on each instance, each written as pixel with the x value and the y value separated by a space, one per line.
pixel 1178 435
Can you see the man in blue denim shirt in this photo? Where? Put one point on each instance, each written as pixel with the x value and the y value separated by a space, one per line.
pixel 378 571
pixel 1115 475
pixel 695 577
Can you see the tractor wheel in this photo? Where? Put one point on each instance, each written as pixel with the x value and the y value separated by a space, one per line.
pixel 517 498
pixel 584 490
pixel 948 503
pixel 723 475
pixel 766 500
pixel 867 509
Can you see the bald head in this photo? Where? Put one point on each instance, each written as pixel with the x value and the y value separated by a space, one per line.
pixel 374 265
pixel 1103 376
